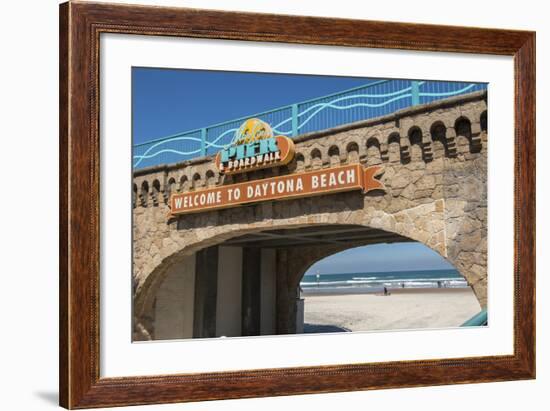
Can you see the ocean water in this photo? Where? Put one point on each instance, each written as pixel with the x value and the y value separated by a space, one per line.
pixel 375 281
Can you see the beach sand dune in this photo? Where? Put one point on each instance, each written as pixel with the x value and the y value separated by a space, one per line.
pixel 403 309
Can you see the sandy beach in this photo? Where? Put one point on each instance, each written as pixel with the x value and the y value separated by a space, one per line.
pixel 402 309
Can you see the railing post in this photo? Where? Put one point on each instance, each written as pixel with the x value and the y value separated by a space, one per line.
pixel 415 92
pixel 203 141
pixel 294 120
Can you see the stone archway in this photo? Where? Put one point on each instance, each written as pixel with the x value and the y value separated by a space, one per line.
pixel 435 173
pixel 424 223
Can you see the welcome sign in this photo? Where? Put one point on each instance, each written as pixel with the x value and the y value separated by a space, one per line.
pixel 254 148
pixel 326 181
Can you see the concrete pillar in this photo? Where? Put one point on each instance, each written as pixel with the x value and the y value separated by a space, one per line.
pixel 206 291
pixel 251 294
pixel 228 311
pixel 174 302
pixel 300 311
pixel 268 292
pixel 286 296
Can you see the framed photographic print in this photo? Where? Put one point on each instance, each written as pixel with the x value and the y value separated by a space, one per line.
pixel 258 205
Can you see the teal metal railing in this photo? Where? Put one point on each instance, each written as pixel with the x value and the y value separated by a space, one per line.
pixel 360 103
pixel 477 320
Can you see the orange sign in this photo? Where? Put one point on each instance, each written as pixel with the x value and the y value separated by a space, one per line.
pixel 326 181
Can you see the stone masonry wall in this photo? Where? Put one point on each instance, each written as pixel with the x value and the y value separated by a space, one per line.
pixel 435 162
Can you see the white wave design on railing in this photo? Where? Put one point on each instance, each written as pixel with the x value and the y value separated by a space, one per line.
pixel 167 150
pixel 331 104
pixel 316 108
pixel 146 155
pixel 213 143
pixel 448 93
pixel 368 105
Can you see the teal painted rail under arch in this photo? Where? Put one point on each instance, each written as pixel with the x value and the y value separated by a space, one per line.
pixel 478 320
pixel 360 103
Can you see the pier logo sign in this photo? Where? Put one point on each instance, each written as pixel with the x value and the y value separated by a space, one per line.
pixel 254 147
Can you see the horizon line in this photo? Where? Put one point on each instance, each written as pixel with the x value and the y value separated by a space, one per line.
pixel 392 271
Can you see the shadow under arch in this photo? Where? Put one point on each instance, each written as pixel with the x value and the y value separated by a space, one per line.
pixel 298 245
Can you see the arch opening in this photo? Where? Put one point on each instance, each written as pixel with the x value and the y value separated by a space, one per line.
pixel 196 181
pixel 247 282
pixel 144 194
pixel 316 158
pixel 382 286
pixel 438 132
pixel 134 195
pixel 483 121
pixel 300 162
pixel 156 192
pixel 418 147
pixel 373 151
pixel 394 147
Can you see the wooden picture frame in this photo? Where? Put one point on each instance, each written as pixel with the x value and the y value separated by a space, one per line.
pixel 80 27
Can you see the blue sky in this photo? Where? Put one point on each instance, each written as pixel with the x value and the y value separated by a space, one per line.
pixel 168 101
pixel 381 258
